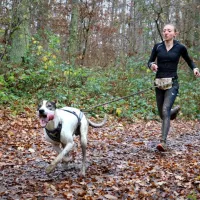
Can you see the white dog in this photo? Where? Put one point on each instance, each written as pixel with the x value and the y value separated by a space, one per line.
pixel 60 125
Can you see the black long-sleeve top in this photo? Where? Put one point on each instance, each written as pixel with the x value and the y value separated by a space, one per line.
pixel 167 61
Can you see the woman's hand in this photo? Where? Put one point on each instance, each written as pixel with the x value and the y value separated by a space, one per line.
pixel 154 67
pixel 196 72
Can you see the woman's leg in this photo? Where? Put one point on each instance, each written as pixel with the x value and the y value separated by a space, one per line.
pixel 174 112
pixel 170 96
pixel 160 96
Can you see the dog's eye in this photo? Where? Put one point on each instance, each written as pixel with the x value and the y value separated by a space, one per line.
pixel 50 106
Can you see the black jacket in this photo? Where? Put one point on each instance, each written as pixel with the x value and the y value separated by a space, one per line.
pixel 168 61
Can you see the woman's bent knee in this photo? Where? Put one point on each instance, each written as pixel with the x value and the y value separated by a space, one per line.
pixel 165 113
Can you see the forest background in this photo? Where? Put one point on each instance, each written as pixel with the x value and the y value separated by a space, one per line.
pixel 85 53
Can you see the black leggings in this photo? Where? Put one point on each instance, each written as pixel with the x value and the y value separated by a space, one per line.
pixel 165 100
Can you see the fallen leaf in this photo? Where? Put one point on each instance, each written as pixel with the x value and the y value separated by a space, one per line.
pixel 31 150
pixel 108 196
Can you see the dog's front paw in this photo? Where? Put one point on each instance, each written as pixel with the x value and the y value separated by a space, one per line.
pixel 67 159
pixel 50 168
pixel 82 172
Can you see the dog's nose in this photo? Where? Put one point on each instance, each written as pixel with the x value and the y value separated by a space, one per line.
pixel 41 111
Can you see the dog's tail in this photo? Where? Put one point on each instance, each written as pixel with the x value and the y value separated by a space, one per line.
pixel 98 125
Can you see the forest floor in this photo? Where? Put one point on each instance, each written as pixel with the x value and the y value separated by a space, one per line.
pixel 122 162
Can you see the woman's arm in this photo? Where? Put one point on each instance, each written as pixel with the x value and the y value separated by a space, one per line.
pixel 189 61
pixel 186 57
pixel 151 63
pixel 152 57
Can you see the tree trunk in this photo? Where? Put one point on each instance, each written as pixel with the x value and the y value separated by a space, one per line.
pixel 196 41
pixel 72 48
pixel 42 17
pixel 123 31
pixel 19 31
pixel 131 35
pixel 87 23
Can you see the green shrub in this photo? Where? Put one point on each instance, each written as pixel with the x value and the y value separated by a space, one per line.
pixel 44 76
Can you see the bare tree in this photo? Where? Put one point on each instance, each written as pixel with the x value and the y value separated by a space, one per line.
pixel 72 48
pixel 19 30
pixel 97 32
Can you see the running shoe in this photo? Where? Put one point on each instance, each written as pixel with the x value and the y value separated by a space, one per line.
pixel 161 147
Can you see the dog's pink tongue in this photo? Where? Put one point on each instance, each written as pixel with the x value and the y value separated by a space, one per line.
pixel 43 122
pixel 50 116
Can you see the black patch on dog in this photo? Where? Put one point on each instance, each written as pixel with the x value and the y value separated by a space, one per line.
pixel 55 134
pixel 51 105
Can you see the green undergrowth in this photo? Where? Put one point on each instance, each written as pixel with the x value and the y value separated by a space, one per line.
pixel 81 87
pixel 43 75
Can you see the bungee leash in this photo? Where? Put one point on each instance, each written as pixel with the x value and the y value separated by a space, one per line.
pixel 124 97
pixel 118 99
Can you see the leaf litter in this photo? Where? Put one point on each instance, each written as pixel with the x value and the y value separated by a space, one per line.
pixel 122 162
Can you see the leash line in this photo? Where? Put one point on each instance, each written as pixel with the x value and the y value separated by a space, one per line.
pixel 118 99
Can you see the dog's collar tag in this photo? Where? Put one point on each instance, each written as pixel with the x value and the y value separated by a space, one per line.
pixel 54 134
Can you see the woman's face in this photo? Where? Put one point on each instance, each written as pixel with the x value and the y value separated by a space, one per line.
pixel 169 32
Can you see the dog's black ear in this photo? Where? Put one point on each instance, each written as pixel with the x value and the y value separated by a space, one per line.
pixel 54 102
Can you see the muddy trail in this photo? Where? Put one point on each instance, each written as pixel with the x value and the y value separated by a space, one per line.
pixel 122 162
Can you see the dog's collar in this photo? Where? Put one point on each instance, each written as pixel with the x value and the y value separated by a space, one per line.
pixel 54 134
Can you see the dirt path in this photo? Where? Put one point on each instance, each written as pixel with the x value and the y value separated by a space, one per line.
pixel 122 162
